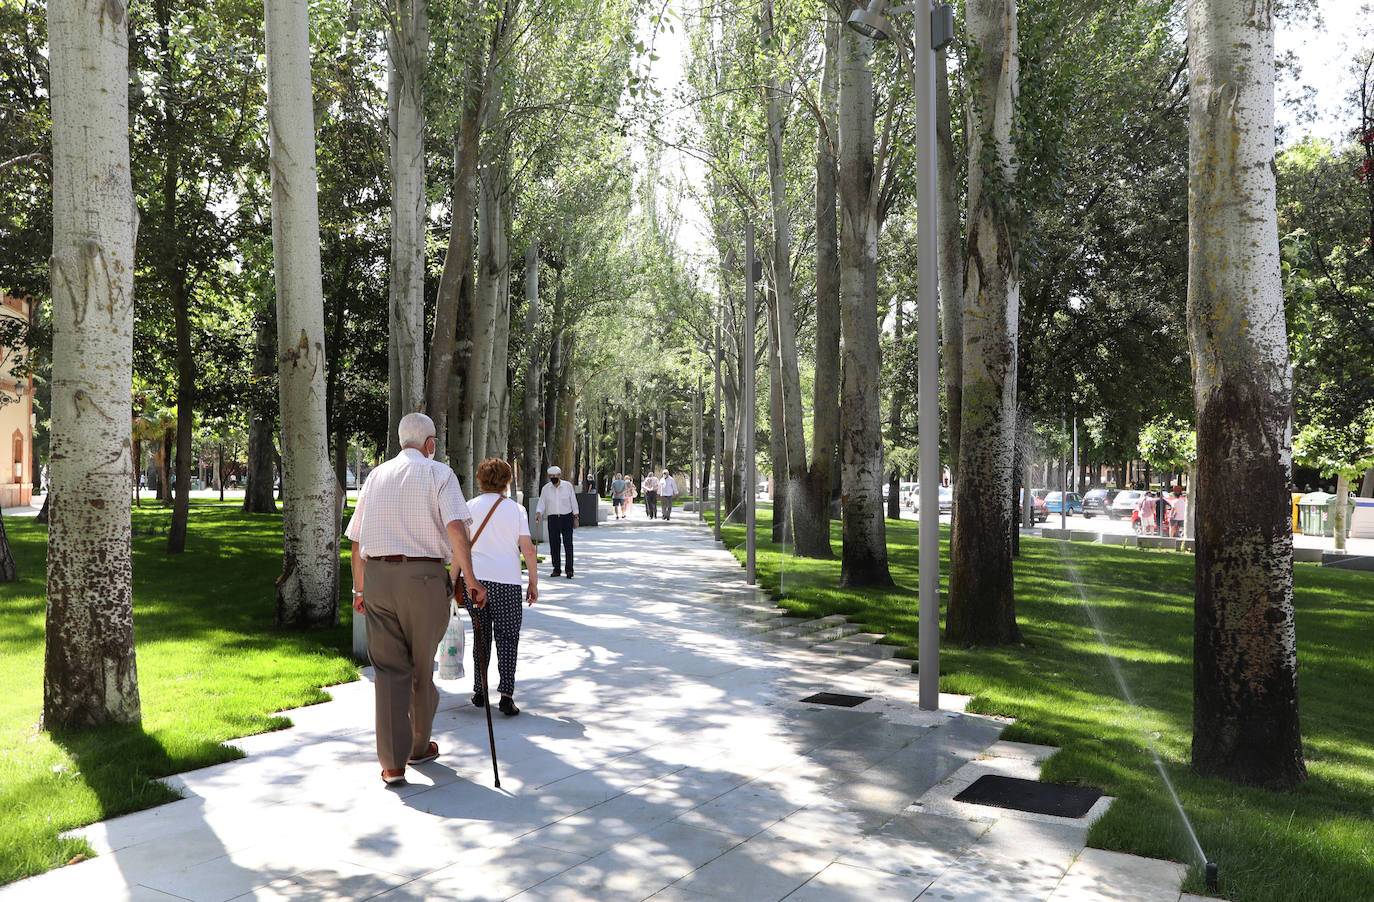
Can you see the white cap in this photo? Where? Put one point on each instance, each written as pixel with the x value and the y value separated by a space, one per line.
pixel 554 471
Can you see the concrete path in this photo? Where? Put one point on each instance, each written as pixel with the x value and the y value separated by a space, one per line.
pixel 663 752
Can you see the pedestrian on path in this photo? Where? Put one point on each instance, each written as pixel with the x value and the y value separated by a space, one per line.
pixel 409 520
pixel 504 535
pixel 619 485
pixel 650 485
pixel 667 491
pixel 631 493
pixel 558 502
pixel 1178 511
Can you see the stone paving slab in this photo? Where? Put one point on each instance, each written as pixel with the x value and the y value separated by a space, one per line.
pixel 663 752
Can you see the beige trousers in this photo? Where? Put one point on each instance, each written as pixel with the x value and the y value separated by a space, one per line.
pixel 407 613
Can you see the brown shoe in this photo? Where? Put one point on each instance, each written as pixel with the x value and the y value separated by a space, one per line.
pixel 394 777
pixel 431 752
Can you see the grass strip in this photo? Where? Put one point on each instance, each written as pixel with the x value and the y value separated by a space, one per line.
pixel 211 668
pixel 1315 843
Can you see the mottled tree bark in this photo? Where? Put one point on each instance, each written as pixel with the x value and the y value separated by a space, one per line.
pixel 258 497
pixel 951 243
pixel 308 588
pixel 1245 658
pixel 90 675
pixel 534 371
pixel 982 603
pixel 863 556
pixel 811 512
pixel 407 35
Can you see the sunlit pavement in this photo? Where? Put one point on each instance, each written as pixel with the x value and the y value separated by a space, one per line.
pixel 1121 526
pixel 663 752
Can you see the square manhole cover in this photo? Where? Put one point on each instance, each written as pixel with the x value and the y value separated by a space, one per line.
pixel 1030 795
pixel 836 698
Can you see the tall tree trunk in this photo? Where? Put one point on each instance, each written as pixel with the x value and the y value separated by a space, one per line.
pixel 811 517
pixel 498 414
pixel 534 371
pixel 863 557
pixel 637 458
pixel 951 261
pixel 460 392
pixel 90 675
pixel 982 605
pixel 173 267
pixel 164 491
pixel 258 497
pixel 458 258
pixel 308 588
pixel 552 382
pixel 777 440
pixel 486 300
pixel 1245 661
pixel 896 409
pixel 407 42
pixel 790 470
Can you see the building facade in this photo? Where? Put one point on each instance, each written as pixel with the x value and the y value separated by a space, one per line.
pixel 16 416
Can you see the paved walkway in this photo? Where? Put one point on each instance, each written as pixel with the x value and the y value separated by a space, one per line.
pixel 663 752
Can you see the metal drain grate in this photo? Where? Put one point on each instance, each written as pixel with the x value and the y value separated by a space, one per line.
pixel 1030 795
pixel 836 698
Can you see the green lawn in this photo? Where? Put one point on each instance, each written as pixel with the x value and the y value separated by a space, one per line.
pixel 1316 843
pixel 211 667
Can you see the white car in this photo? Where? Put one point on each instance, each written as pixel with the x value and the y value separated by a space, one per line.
pixel 1124 504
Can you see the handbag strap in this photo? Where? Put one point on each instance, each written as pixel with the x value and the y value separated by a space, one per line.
pixel 478 534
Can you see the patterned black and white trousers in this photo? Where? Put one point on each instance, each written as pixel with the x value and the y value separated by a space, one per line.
pixel 502 611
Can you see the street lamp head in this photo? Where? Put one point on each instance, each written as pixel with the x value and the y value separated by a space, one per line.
pixel 871 22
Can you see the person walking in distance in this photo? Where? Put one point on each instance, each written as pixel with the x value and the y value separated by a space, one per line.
pixel 667 491
pixel 504 535
pixel 619 486
pixel 410 519
pixel 650 486
pixel 558 503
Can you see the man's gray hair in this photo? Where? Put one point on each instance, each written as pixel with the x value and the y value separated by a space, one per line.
pixel 414 429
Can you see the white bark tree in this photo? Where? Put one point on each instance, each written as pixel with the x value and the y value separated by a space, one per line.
pixel 407 42
pixel 864 552
pixel 783 325
pixel 1245 659
pixel 308 588
pixel 982 607
pixel 90 675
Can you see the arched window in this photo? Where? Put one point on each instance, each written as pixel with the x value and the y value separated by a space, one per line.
pixel 18 456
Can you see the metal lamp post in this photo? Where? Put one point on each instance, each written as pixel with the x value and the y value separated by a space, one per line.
pixel 934 31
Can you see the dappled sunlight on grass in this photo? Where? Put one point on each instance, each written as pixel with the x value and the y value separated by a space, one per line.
pixel 211 667
pixel 1316 843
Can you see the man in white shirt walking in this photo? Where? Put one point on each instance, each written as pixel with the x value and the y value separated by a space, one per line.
pixel 650 486
pixel 558 502
pixel 667 491
pixel 410 519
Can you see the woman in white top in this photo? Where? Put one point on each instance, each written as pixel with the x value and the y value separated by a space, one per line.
pixel 496 562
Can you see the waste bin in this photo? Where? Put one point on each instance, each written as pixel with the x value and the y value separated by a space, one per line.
pixel 1297 524
pixel 1314 513
pixel 588 505
pixel 1331 515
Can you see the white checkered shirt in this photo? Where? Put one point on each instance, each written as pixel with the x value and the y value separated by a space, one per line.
pixel 405 506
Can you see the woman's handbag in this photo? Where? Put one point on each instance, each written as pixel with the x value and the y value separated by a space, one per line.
pixel 453 648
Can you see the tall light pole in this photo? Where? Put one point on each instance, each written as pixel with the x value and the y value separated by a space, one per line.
pixel 747 380
pixel 934 31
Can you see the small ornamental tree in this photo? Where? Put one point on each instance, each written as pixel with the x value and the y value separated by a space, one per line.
pixel 1170 445
pixel 1344 452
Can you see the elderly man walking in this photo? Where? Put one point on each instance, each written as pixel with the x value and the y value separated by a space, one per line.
pixel 667 492
pixel 410 519
pixel 558 502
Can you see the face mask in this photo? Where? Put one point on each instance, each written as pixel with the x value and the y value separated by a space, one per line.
pixel 554 480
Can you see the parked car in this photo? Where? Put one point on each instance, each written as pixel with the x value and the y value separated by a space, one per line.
pixel 1123 505
pixel 946 500
pixel 1038 512
pixel 1097 501
pixel 1054 503
pixel 907 495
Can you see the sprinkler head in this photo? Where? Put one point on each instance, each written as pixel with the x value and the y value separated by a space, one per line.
pixel 1211 877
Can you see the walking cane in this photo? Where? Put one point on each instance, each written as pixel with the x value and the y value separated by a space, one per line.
pixel 486 694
